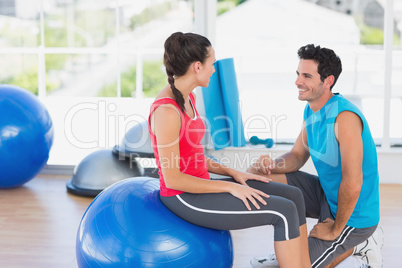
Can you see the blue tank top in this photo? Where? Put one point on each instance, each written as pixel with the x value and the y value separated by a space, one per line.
pixel 325 153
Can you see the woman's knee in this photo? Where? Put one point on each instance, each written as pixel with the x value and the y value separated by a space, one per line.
pixel 287 223
pixel 296 195
pixel 298 198
pixel 289 210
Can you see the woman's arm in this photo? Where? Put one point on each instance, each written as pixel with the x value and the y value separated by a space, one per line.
pixel 240 177
pixel 165 124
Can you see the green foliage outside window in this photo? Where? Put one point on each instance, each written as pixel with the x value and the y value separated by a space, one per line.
pixel 223 6
pixel 374 36
pixel 154 79
pixel 149 14
pixel 28 80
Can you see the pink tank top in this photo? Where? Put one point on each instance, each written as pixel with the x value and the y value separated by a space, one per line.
pixel 192 158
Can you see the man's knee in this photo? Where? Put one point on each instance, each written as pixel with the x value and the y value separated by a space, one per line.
pixel 324 253
pixel 280 178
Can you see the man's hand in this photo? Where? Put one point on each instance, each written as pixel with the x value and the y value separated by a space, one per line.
pixel 324 230
pixel 263 165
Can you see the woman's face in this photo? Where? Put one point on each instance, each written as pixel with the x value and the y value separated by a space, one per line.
pixel 207 69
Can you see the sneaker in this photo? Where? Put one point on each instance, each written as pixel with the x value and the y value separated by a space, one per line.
pixel 262 262
pixel 352 262
pixel 370 250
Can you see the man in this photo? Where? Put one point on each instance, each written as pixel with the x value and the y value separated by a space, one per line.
pixel 344 197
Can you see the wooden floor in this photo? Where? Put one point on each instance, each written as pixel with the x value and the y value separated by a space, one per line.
pixel 39 222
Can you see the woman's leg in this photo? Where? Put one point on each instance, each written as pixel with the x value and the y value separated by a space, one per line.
pixel 304 246
pixel 224 211
pixel 288 253
pixel 295 194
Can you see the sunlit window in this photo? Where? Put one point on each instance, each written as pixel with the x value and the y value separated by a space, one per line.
pixel 95 64
pixel 89 48
pixel 264 44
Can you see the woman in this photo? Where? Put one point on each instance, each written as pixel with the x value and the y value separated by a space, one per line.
pixel 185 186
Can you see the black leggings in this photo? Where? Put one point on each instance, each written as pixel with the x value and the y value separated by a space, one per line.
pixel 285 209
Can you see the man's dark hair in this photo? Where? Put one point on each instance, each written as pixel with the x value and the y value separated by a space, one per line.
pixel 328 62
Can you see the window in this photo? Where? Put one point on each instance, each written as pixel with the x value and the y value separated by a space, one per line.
pixel 264 45
pixel 96 64
pixel 83 57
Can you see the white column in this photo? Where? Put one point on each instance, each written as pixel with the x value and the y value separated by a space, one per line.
pixel 139 76
pixel 205 24
pixel 205 18
pixel 117 33
pixel 41 56
pixel 388 44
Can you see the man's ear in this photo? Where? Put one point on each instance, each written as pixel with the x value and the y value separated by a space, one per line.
pixel 329 81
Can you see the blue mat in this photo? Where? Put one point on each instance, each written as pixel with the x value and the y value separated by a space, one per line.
pixel 230 93
pixel 222 107
pixel 215 112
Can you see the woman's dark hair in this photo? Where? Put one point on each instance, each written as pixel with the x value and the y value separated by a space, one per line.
pixel 328 62
pixel 182 49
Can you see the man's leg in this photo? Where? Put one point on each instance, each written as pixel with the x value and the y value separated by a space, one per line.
pixel 340 259
pixel 281 178
pixel 323 253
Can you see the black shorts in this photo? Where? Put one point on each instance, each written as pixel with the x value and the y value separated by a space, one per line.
pixel 323 252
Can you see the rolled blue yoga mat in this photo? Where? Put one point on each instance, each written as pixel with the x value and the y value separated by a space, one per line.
pixel 215 112
pixel 222 107
pixel 230 95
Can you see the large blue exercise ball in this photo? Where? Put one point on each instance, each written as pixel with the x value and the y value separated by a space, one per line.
pixel 127 225
pixel 26 136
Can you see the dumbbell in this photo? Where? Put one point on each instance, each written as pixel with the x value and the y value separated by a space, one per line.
pixel 267 142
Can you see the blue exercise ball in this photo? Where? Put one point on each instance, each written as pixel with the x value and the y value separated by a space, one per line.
pixel 127 225
pixel 26 136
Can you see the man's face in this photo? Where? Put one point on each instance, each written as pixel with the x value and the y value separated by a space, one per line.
pixel 308 81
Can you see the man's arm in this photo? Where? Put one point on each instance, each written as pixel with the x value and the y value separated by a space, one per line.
pixel 348 130
pixel 289 162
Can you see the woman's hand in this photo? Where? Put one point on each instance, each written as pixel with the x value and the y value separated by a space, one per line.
pixel 248 194
pixel 242 177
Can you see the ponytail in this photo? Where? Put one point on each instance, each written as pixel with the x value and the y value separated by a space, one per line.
pixel 181 50
pixel 176 93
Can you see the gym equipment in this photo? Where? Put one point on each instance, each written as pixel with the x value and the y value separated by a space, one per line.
pixel 26 136
pixel 137 144
pixel 128 226
pixel 222 107
pixel 99 170
pixel 267 142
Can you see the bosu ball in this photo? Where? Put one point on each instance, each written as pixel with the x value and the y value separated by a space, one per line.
pixel 99 170
pixel 137 144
